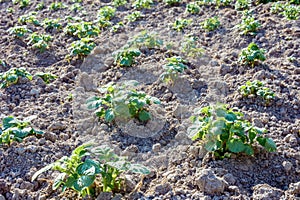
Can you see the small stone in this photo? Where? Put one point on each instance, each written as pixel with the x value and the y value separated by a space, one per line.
pixel 287 166
pixel 51 136
pixel 104 196
pixel 34 92
pixel 266 192
pixel 117 197
pixel 156 147
pixel 229 178
pixel 57 126
pixel 163 188
pixel 294 188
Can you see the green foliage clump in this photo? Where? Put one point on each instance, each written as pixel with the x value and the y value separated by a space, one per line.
pixel 19 31
pixel 193 8
pixel 57 6
pixel 23 3
pixel 257 88
pixel 47 77
pixel 82 48
pixel 224 131
pixel 52 24
pixel 172 69
pixel 133 16
pixel 40 6
pixel 252 54
pixel 82 29
pixel 30 18
pixel 79 171
pixel 12 76
pixel 39 41
pixel 189 47
pixel 125 57
pixel 181 24
pixel 290 12
pixel 248 25
pixel 242 4
pixel 107 12
pixel 211 24
pixel 140 4
pixel 145 39
pixel 122 101
pixel 172 2
pixel 216 3
pixel 13 129
pixel 118 3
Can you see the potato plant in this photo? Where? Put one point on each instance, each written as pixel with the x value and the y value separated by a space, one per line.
pixel 107 12
pixel 82 48
pixel 13 129
pixel 12 76
pixel 49 24
pixel 47 77
pixel 22 3
pixel 189 47
pixel 242 4
pixel 145 39
pixel 19 31
pixel 211 24
pixel 141 4
pixel 39 41
pixel 80 170
pixel 192 8
pixel 57 6
pixel 251 55
pixel 125 57
pixel 257 88
pixel 29 18
pixel 172 2
pixel 118 3
pixel 181 24
pixel 224 131
pixel 122 101
pixel 133 16
pixel 249 25
pixel 172 69
pixel 82 29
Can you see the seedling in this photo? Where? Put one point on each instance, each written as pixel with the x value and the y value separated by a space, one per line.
pixel 251 54
pixel 172 2
pixel 216 3
pixel 39 41
pixel 248 25
pixel 23 3
pixel 224 131
pixel 172 69
pixel 257 88
pixel 19 31
pixel 40 6
pixel 82 47
pixel 189 47
pixel 122 101
pixel 140 4
pixel 242 4
pixel 79 171
pixel 29 18
pixel 193 8
pixel 291 12
pixel 125 57
pixel 118 3
pixel 82 29
pixel 211 24
pixel 181 24
pixel 76 7
pixel 52 24
pixel 133 16
pixel 12 76
pixel 57 6
pixel 107 12
pixel 117 27
pixel 13 129
pixel 145 39
pixel 47 77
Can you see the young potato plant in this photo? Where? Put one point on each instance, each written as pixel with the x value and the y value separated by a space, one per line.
pixel 107 12
pixel 140 4
pixel 30 18
pixel 79 172
pixel 189 47
pixel 47 77
pixel 216 3
pixel 181 24
pixel 133 16
pixel 82 48
pixel 49 24
pixel 192 8
pixel 40 6
pixel 242 4
pixel 248 25
pixel 257 88
pixel 19 31
pixel 39 41
pixel 211 24
pixel 224 131
pixel 122 101
pixel 57 6
pixel 172 2
pixel 117 27
pixel 118 3
pixel 125 57
pixel 172 69
pixel 291 12
pixel 82 29
pixel 12 76
pixel 13 129
pixel 23 3
pixel 76 7
pixel 251 55
pixel 145 39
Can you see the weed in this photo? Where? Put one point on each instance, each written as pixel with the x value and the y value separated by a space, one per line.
pixel 122 101
pixel 252 54
pixel 12 76
pixel 181 24
pixel 224 131
pixel 19 31
pixel 211 24
pixel 125 57
pixel 172 69
pixel 13 129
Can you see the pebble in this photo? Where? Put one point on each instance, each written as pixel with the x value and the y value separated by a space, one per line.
pixel 156 147
pixel 287 166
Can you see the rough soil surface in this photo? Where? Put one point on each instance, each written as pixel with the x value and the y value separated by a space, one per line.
pixel 181 168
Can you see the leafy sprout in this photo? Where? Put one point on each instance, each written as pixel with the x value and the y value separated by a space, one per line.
pixel 252 54
pixel 12 76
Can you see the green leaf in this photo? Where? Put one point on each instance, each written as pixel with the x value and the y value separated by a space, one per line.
pixel 109 115
pixel 89 167
pixel 6 122
pixel 83 182
pixel 211 145
pixel 248 150
pixel 230 117
pixel 270 145
pixel 140 169
pixel 235 145
pixel 58 181
pixel 144 115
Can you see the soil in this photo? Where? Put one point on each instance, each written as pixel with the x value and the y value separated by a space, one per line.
pixel 180 167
